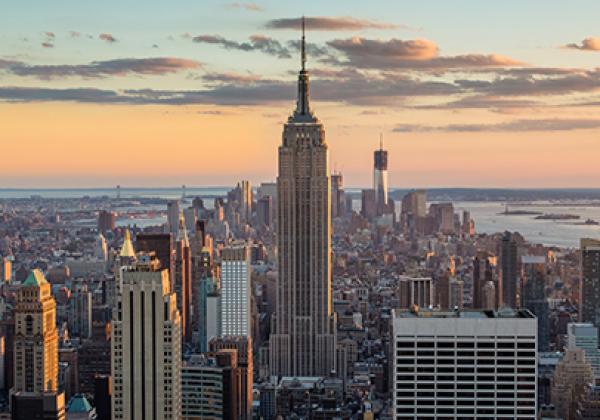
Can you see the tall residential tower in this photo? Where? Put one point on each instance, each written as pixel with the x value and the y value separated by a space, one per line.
pixel 303 339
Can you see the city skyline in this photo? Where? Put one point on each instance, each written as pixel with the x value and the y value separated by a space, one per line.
pixel 200 92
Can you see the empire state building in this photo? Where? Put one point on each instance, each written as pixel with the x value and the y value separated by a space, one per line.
pixel 303 336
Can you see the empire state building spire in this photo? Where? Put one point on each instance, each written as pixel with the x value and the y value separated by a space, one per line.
pixel 303 112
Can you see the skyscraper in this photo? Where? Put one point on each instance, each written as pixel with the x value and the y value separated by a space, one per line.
pixel 80 312
pixel 162 245
pixel 380 177
pixel 416 291
pixel 509 270
pixel 585 337
pixel 106 221
pixel 338 198
pixel 34 394
pixel 235 291
pixel 183 279
pixel 36 337
pixel 173 217
pixel 482 273
pixel 245 200
pixel 589 289
pixel 572 373
pixel 368 204
pixel 146 345
pixel 243 347
pixel 464 364
pixel 533 296
pixel 210 386
pixel 304 334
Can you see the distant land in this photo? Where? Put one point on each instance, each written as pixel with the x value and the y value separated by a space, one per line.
pixel 505 194
pixel 433 194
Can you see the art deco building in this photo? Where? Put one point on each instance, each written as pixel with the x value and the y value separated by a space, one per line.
pixel 36 337
pixel 303 339
pixel 34 394
pixel 146 345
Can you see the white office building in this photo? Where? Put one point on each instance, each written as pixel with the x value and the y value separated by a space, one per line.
pixel 464 365
pixel 235 291
pixel 146 346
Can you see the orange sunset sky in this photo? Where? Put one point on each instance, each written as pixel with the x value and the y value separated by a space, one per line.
pixel 469 95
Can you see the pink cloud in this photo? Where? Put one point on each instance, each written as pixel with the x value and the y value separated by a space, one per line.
pixel 588 44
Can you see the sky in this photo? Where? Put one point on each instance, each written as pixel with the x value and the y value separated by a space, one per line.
pixel 467 93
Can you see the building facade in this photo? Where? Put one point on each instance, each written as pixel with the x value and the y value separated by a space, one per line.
pixel 36 337
pixel 464 364
pixel 209 386
pixel 589 288
pixel 235 291
pixel 509 270
pixel 146 346
pixel 303 336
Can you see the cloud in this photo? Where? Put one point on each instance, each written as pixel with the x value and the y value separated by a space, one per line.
pixel 355 89
pixel 261 43
pixel 532 85
pixel 312 49
pixel 408 54
pixel 329 24
pixel 47 45
pixel 231 77
pixel 253 7
pixel 116 67
pixel 521 125
pixel 213 112
pixel 107 38
pixel 484 102
pixel 588 44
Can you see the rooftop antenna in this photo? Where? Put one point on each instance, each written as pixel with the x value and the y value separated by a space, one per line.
pixel 303 46
pixel 380 141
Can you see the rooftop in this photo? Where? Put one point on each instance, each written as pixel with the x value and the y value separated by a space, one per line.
pixel 471 314
pixel 35 278
pixel 79 404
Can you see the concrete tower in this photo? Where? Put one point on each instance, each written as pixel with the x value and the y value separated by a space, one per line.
pixel 303 339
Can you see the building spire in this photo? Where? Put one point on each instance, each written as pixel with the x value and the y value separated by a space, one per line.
pixel 303 44
pixel 380 141
pixel 302 112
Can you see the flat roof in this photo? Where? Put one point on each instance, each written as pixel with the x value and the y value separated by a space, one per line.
pixel 465 313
